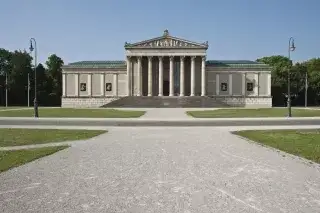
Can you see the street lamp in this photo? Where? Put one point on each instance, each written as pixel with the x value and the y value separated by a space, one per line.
pixel 36 113
pixel 290 49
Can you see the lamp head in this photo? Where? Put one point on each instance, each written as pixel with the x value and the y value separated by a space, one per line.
pixel 31 46
pixel 292 47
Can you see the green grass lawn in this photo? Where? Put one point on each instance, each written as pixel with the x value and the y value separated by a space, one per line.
pixel 74 113
pixel 7 108
pixel 18 137
pixel 303 143
pixel 10 159
pixel 242 113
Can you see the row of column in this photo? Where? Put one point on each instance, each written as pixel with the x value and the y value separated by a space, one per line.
pixel 171 76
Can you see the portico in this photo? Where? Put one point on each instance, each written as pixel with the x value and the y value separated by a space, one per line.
pixel 165 66
pixel 165 75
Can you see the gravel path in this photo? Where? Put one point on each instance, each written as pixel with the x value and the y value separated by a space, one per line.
pixel 163 170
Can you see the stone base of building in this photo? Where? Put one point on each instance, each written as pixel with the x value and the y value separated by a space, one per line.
pixel 217 101
pixel 86 102
pixel 248 102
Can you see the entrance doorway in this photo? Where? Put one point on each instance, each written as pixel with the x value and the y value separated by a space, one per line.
pixel 166 88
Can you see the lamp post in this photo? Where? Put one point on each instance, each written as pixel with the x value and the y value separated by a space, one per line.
pixel 290 49
pixel 36 113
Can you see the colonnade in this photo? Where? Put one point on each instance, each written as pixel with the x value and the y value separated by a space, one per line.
pixel 171 76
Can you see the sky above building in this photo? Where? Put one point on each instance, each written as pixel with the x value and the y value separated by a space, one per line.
pixel 79 30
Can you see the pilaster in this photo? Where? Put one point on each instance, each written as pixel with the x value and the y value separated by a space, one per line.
pixel 76 84
pixel 102 86
pixel 90 84
pixel 230 84
pixel 217 84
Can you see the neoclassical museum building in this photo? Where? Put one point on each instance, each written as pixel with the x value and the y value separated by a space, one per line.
pixel 166 68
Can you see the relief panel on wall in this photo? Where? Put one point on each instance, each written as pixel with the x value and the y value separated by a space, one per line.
pixel 224 84
pixel 83 84
pixel 250 84
pixel 108 87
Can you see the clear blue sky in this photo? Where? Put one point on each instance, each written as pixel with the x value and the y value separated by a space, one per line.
pixel 97 29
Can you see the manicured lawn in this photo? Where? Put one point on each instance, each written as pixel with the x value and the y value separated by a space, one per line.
pixel 18 137
pixel 10 159
pixel 303 143
pixel 7 108
pixel 242 113
pixel 74 113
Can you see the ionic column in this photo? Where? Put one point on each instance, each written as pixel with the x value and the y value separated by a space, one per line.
pixel 217 84
pixel 171 93
pixel 269 84
pixel 128 75
pixel 256 84
pixel 149 75
pixel 139 76
pixel 203 76
pixel 102 82
pixel 90 84
pixel 115 83
pixel 182 75
pixel 160 76
pixel 244 82
pixel 230 84
pixel 76 84
pixel 64 84
pixel 193 75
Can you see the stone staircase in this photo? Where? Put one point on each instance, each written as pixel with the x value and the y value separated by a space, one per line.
pixel 165 102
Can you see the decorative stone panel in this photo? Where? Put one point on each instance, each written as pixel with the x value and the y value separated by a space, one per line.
pixel 86 102
pixel 249 102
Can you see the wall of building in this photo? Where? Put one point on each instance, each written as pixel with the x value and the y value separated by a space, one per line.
pixel 87 88
pixel 94 88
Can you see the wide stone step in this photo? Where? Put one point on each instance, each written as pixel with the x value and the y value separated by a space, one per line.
pixel 165 102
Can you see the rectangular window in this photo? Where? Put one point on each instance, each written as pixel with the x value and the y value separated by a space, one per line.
pixel 249 87
pixel 83 87
pixel 108 87
pixel 224 87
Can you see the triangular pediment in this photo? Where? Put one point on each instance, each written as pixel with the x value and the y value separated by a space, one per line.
pixel 166 41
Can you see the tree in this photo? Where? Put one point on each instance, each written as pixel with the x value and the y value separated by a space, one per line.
pixel 5 68
pixel 43 85
pixel 54 65
pixel 279 71
pixel 20 67
pixel 313 67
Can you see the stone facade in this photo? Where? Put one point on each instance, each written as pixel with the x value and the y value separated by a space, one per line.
pixel 166 66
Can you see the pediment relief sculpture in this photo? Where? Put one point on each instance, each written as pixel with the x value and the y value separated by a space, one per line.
pixel 166 41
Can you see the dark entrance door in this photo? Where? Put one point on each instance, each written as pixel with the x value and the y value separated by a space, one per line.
pixel 166 88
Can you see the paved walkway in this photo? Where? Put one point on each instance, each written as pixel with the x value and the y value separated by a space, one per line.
pixel 166 114
pixel 163 170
